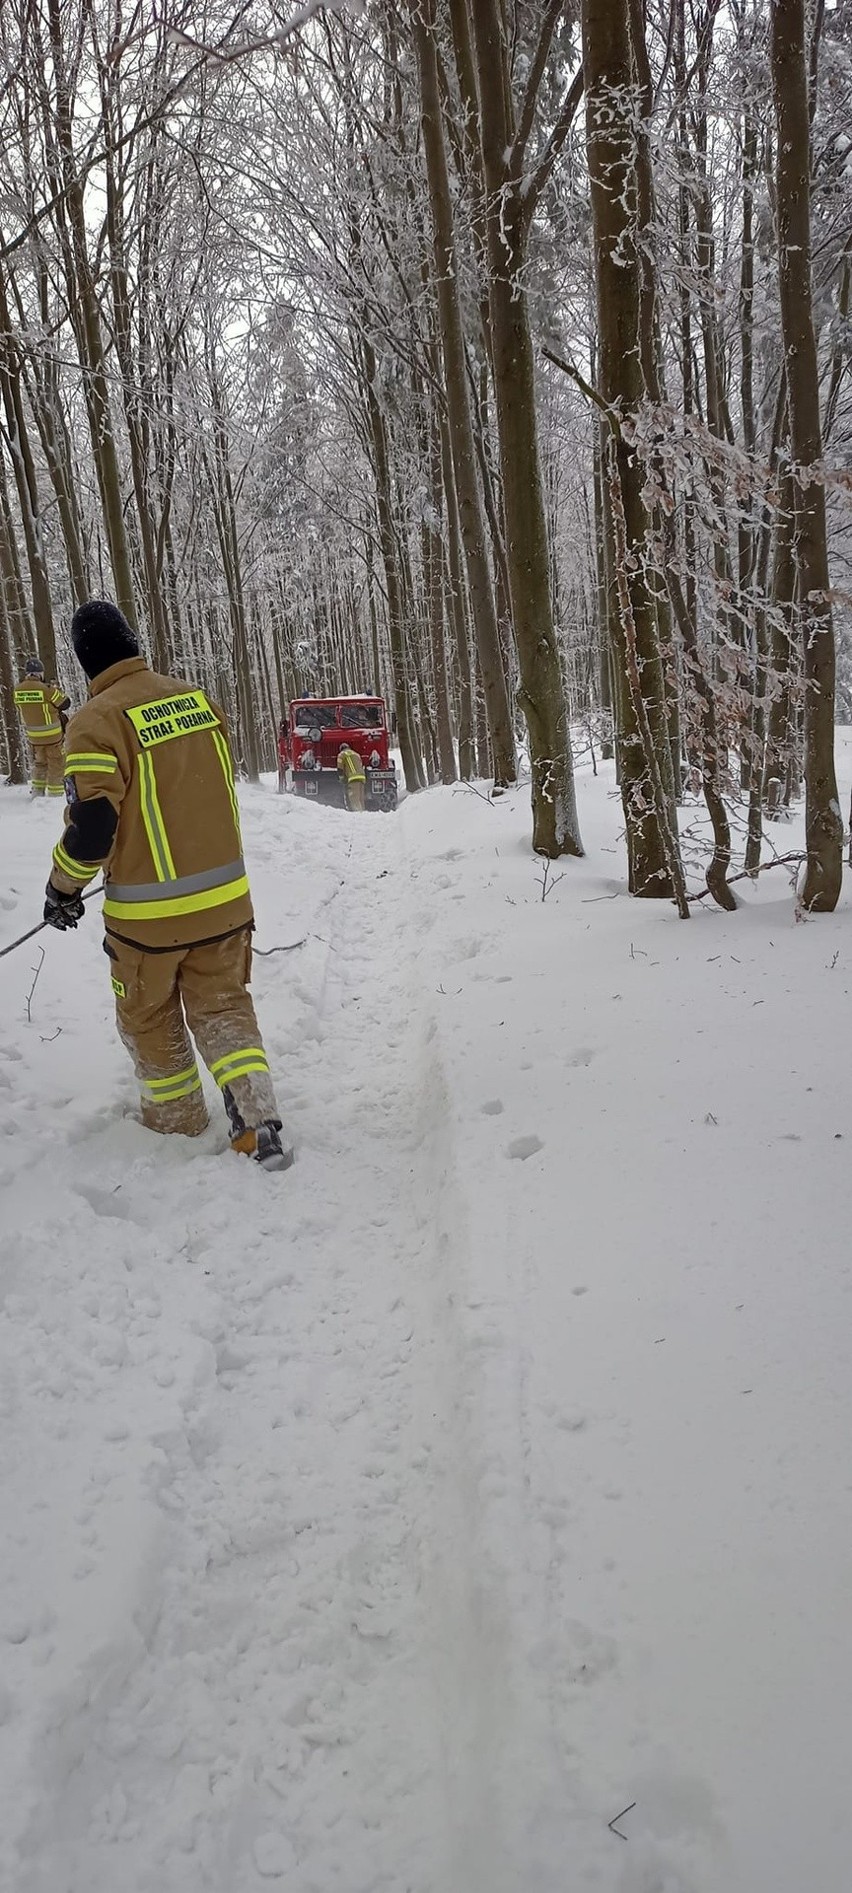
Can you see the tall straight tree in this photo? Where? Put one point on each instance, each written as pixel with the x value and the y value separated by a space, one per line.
pixel 823 825
pixel 474 528
pixel 84 306
pixel 20 452
pixel 511 198
pixel 647 784
pixel 11 736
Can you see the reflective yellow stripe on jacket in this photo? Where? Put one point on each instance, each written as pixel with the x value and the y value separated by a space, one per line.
pixel 90 763
pixel 152 816
pixel 78 870
pixel 189 894
pixel 227 767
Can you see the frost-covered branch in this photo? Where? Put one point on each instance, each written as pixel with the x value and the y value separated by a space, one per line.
pixel 223 54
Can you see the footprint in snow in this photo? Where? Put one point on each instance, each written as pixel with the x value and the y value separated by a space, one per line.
pixel 106 1203
pixel 493 1107
pixel 273 1856
pixel 524 1147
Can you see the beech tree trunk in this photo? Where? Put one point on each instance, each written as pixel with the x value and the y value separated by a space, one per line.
pixel 783 630
pixel 15 603
pixel 42 372
pixel 85 315
pixel 23 467
pixel 474 529
pixel 556 829
pixel 14 757
pixel 823 824
pixel 457 610
pixel 133 398
pixel 434 580
pixel 412 760
pixel 643 738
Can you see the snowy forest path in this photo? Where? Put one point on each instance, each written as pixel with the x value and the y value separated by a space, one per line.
pixel 390 1526
pixel 275 1566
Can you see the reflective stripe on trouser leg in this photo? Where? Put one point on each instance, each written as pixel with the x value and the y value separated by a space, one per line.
pixel 55 769
pixel 151 1025
pixel 164 1090
pixel 239 1065
pixel 214 988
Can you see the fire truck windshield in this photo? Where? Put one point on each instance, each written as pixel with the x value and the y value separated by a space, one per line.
pixel 361 716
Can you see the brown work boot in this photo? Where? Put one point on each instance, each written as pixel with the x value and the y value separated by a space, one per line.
pixel 264 1144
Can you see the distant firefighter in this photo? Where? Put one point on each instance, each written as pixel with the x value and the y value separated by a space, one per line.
pixel 42 707
pixel 353 774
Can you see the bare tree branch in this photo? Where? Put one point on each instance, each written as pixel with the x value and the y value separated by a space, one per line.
pixel 532 191
pixel 536 74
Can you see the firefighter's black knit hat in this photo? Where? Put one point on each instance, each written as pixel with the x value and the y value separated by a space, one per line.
pixel 101 636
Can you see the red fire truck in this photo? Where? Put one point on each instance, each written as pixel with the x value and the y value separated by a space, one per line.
pixel 310 739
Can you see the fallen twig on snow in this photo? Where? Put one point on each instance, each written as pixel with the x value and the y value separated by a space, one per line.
pixel 265 953
pixel 545 883
pixel 35 970
pixel 628 1810
pixel 469 788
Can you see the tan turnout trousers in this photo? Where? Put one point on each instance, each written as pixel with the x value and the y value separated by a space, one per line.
pixel 205 988
pixel 48 773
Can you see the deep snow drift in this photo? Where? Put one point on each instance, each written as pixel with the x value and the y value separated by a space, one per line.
pixel 390 1526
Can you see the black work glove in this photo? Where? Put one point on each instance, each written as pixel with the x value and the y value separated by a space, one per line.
pixel 62 910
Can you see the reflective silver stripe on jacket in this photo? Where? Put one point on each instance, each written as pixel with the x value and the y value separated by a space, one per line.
pixel 185 884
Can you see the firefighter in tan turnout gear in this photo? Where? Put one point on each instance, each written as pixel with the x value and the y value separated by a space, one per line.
pixel 42 710
pixel 151 800
pixel 353 776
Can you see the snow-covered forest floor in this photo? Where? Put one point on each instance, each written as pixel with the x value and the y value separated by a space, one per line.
pixel 391 1525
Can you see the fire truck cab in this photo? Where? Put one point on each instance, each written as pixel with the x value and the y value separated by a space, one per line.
pixel 310 739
